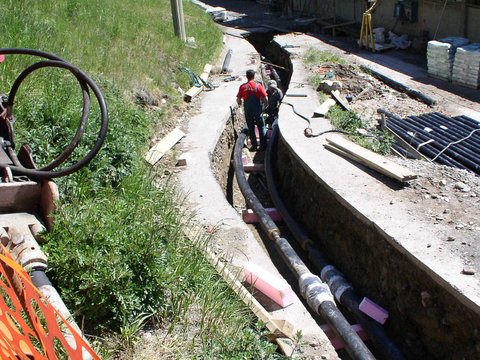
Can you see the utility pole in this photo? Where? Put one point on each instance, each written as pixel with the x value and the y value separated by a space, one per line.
pixel 178 20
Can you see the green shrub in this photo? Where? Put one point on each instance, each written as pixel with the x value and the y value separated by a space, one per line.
pixel 351 123
pixel 315 56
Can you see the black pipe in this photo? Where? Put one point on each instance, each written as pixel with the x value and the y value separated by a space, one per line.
pixel 425 149
pixel 226 62
pixel 464 156
pixel 451 123
pixel 402 151
pixel 86 83
pixel 443 141
pixel 452 133
pixel 463 122
pixel 316 293
pixel 434 147
pixel 399 86
pixel 458 122
pixel 339 286
pixel 467 119
pixel 454 129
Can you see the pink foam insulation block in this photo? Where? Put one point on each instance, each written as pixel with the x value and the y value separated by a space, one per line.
pixel 250 217
pixel 375 311
pixel 336 342
pixel 270 285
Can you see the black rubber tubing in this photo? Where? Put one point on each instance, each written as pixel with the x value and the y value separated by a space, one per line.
pixel 85 111
pixel 56 61
pixel 456 126
pixel 444 138
pixel 439 144
pixel 399 86
pixel 327 308
pixel 426 150
pixel 453 132
pixel 330 275
pixel 397 125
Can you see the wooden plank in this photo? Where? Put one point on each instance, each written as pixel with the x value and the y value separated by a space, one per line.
pixel 409 148
pixel 323 108
pixel 195 90
pixel 282 332
pixel 160 148
pixel 206 72
pixel 340 99
pixel 369 158
pixel 192 93
pixel 338 25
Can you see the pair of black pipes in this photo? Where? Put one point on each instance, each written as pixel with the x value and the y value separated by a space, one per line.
pixel 316 292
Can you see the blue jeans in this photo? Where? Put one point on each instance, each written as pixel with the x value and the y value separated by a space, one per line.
pixel 252 120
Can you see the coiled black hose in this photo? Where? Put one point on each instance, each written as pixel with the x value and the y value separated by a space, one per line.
pixel 308 130
pixel 86 84
pixel 315 292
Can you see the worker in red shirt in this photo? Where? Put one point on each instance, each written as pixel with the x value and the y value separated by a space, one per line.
pixel 254 99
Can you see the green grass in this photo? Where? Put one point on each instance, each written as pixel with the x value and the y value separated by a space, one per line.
pixel 117 252
pixel 351 123
pixel 347 121
pixel 315 56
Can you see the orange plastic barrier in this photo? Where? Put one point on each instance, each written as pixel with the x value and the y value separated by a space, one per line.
pixel 30 327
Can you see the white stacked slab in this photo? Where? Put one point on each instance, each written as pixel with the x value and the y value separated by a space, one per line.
pixel 466 66
pixel 441 54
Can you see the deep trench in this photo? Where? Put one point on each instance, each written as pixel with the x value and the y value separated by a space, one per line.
pixel 426 320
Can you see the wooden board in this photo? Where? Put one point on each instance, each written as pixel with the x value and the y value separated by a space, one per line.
pixel 340 99
pixel 195 90
pixel 281 331
pixel 368 158
pixel 206 72
pixel 409 148
pixel 160 148
pixel 323 109
pixel 192 92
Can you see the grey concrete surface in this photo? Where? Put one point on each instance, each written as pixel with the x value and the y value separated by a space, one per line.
pixel 351 184
pixel 233 239
pixel 355 187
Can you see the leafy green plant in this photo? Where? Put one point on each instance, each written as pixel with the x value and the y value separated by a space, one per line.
pixel 117 250
pixel 315 56
pixel 360 132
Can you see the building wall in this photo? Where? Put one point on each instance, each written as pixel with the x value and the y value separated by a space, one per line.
pixel 452 23
pixel 473 23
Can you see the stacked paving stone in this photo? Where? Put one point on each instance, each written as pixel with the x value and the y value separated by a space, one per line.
pixel 441 54
pixel 466 66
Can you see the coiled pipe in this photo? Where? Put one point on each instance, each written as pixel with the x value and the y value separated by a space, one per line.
pixel 86 84
pixel 315 292
pixel 339 286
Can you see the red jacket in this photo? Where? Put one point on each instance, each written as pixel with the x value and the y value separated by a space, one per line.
pixel 248 88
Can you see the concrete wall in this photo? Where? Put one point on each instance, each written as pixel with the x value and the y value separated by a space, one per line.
pixel 426 319
pixel 473 23
pixel 458 19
